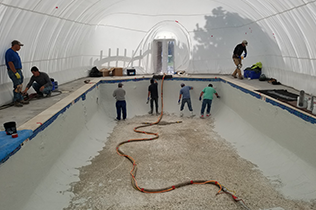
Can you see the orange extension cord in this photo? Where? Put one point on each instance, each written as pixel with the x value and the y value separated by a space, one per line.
pixel 222 189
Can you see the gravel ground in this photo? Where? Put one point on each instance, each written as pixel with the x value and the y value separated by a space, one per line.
pixel 186 151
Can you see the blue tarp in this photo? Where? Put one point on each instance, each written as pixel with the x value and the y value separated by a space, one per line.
pixel 9 145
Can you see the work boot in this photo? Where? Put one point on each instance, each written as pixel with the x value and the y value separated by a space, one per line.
pixel 239 74
pixel 49 94
pixel 192 114
pixel 18 104
pixel 24 102
pixel 234 73
pixel 39 95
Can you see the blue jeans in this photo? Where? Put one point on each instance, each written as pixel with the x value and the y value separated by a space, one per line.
pixel 120 107
pixel 208 103
pixel 188 101
pixel 46 90
pixel 16 82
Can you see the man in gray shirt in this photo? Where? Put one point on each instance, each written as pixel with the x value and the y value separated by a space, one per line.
pixel 119 95
pixel 185 91
pixel 40 82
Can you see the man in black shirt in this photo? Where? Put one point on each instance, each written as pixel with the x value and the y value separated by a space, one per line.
pixel 153 93
pixel 40 82
pixel 239 49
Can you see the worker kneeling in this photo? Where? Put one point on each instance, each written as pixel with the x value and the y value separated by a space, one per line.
pixel 41 83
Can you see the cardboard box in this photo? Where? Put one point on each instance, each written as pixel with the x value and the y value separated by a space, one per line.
pixel 111 72
pixel 105 72
pixel 117 71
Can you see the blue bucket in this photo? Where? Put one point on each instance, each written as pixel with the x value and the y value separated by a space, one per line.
pixel 55 85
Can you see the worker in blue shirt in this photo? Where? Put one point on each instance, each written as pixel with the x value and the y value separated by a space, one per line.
pixel 14 67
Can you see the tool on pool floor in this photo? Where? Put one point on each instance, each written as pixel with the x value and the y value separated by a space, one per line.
pixel 221 190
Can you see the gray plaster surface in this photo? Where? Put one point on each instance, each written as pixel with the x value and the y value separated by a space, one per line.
pixel 105 184
pixel 190 150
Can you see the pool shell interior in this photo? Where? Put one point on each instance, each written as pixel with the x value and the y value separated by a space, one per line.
pixel 259 111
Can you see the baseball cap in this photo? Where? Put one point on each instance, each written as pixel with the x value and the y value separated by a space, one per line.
pixel 182 84
pixel 14 42
pixel 245 42
pixel 120 85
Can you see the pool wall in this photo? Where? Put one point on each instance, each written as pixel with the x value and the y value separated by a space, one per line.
pixel 289 127
pixel 21 174
pixel 277 139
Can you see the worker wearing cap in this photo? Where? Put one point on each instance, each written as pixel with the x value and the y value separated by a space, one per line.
pixel 119 95
pixel 237 57
pixel 14 66
pixel 185 92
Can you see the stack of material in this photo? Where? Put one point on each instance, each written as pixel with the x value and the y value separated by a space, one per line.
pixel 112 71
pixel 280 94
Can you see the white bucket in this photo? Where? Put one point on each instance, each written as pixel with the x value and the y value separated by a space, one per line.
pixel 309 103
pixel 314 107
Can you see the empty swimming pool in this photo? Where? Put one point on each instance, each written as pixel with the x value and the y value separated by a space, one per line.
pixel 276 139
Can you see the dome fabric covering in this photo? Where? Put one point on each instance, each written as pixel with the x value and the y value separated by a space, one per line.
pixel 67 38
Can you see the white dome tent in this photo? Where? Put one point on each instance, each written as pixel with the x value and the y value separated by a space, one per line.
pixel 67 38
pixel 269 142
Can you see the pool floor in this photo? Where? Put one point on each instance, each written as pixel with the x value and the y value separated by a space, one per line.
pixel 182 153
